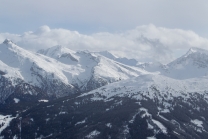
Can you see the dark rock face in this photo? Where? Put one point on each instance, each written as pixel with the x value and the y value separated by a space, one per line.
pixel 50 88
pixel 119 117
pixel 23 91
pixel 94 83
pixel 6 88
pixel 6 41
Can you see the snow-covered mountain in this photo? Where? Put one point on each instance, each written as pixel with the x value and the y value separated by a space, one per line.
pixel 193 64
pixel 99 95
pixel 96 70
pixel 149 106
pixel 19 66
pixel 123 60
pixel 58 71
pixel 147 66
pixel 152 86
pixel 62 54
pixel 152 66
pixel 168 106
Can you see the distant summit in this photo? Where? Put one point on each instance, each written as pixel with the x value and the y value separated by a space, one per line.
pixel 196 50
pixel 7 41
pixel 123 60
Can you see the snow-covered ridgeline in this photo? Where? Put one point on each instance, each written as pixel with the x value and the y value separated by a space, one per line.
pixel 153 87
pixel 93 65
pixel 191 65
pixel 60 71
pixel 65 71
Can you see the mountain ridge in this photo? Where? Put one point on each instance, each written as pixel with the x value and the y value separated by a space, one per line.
pixel 61 71
pixel 86 95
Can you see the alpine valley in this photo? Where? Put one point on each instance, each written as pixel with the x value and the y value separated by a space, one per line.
pixel 58 93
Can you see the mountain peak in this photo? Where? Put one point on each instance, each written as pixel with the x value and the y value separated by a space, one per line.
pixel 56 48
pixel 191 65
pixel 196 50
pixel 56 51
pixel 107 54
pixel 196 55
pixel 7 41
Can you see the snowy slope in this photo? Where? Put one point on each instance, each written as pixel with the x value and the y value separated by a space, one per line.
pixel 107 54
pixel 152 86
pixel 168 106
pixel 27 62
pixel 60 53
pixel 148 106
pixel 152 66
pixel 9 71
pixel 147 66
pixel 21 66
pixel 193 64
pixel 97 70
pixel 123 60
pixel 59 71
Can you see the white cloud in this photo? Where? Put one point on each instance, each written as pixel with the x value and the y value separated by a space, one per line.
pixel 145 43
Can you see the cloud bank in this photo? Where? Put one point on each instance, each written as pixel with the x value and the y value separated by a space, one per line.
pixel 144 43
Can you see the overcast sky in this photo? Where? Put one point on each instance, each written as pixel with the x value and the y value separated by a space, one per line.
pixel 135 27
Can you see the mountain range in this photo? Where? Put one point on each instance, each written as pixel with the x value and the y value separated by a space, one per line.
pixel 61 93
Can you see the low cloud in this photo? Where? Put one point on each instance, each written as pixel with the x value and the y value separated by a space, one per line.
pixel 144 43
